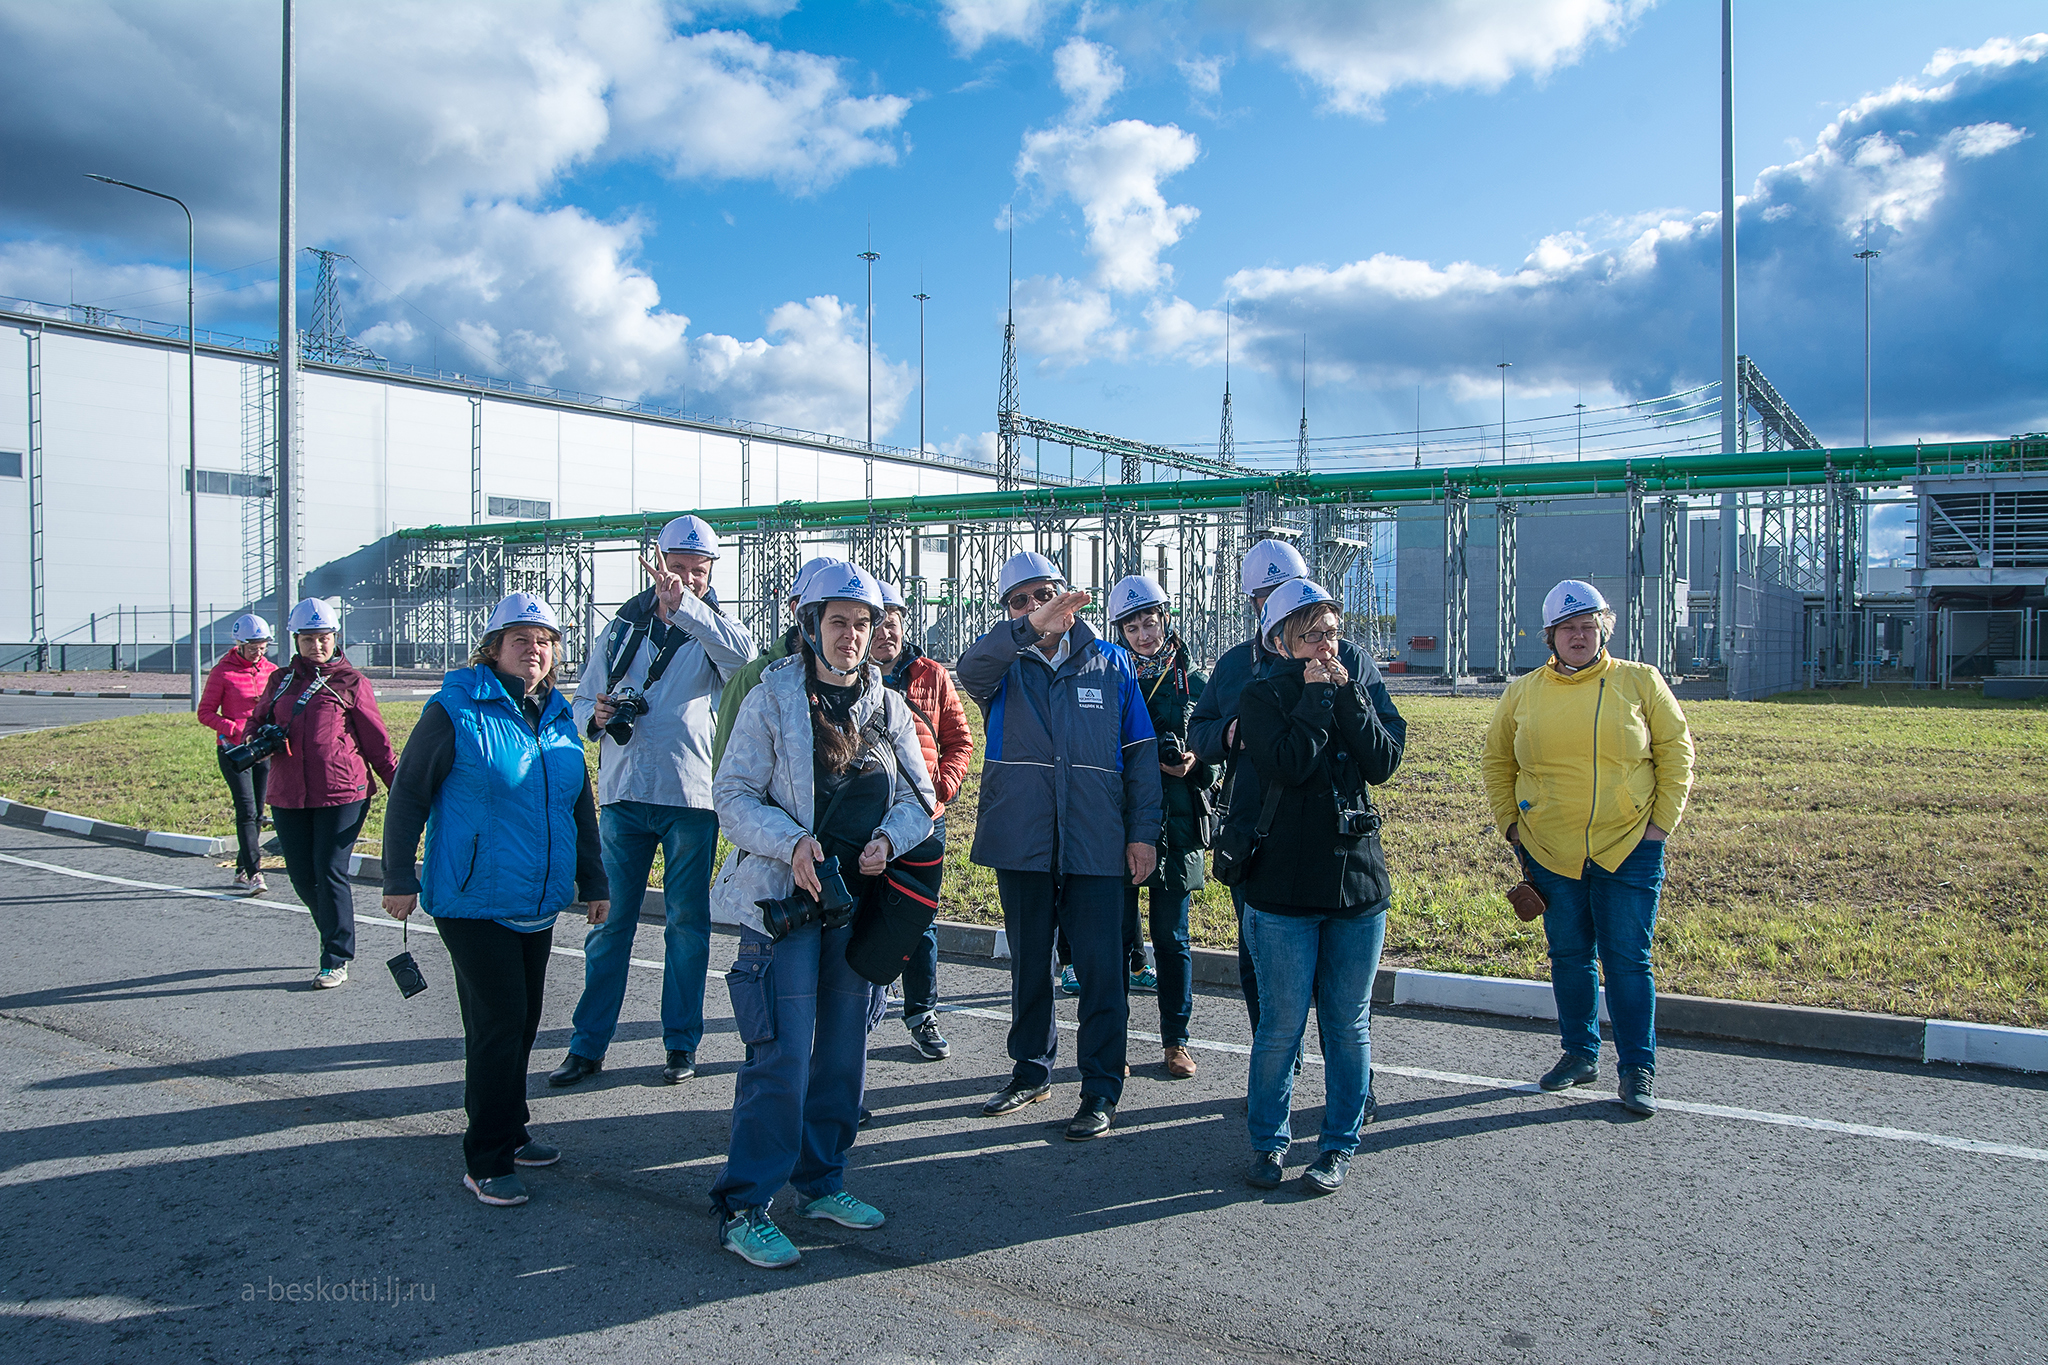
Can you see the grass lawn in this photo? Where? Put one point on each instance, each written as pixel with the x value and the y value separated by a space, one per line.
pixel 1882 851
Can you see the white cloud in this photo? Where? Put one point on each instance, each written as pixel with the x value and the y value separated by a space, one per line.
pixel 1204 75
pixel 1114 173
pixel 1065 322
pixel 978 446
pixel 1358 51
pixel 1088 75
pixel 972 23
pixel 809 370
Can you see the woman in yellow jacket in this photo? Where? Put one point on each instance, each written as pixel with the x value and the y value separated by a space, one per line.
pixel 1587 765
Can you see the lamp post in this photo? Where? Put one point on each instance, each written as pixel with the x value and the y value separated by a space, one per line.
pixel 921 298
pixel 191 429
pixel 868 328
pixel 1580 409
pixel 1866 256
pixel 1504 367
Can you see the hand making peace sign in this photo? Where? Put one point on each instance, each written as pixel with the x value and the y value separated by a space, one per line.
pixel 668 587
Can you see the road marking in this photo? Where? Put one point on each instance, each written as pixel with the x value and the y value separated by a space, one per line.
pixel 1975 1146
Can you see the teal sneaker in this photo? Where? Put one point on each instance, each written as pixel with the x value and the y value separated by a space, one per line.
pixel 753 1237
pixel 1145 981
pixel 1069 983
pixel 843 1209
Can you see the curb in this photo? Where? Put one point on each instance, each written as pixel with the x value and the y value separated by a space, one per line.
pixel 1807 1027
pixel 103 696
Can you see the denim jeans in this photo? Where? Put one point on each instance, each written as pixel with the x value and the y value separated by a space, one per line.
pixel 1167 925
pixel 630 832
pixel 921 972
pixel 1613 914
pixel 1334 961
pixel 1035 906
pixel 804 1016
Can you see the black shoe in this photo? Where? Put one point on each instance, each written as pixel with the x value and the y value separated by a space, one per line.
pixel 1325 1175
pixel 573 1069
pixel 1638 1090
pixel 866 1116
pixel 1266 1172
pixel 1015 1096
pixel 1091 1120
pixel 681 1066
pixel 536 1154
pixel 1568 1072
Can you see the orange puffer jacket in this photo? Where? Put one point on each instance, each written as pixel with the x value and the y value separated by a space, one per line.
pixel 935 706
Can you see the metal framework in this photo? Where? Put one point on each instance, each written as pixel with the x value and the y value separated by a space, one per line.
pixel 38 584
pixel 259 460
pixel 1504 588
pixel 1457 580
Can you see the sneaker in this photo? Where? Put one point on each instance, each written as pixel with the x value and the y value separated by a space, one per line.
pixel 1266 1172
pixel 752 1236
pixel 1013 1097
pixel 257 886
pixel 241 881
pixel 843 1209
pixel 1325 1175
pixel 929 1041
pixel 501 1191
pixel 1069 983
pixel 536 1154
pixel 1568 1072
pixel 1145 981
pixel 1179 1064
pixel 1638 1090
pixel 327 978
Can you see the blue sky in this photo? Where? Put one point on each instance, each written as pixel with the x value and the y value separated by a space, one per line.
pixel 652 199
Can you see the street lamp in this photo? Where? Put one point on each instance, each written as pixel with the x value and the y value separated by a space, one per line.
pixel 1866 256
pixel 921 298
pixel 871 256
pixel 1504 367
pixel 191 428
pixel 1580 409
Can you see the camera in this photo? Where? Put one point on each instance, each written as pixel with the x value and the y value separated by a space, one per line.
pixel 833 910
pixel 1356 824
pixel 1171 754
pixel 267 740
pixel 627 706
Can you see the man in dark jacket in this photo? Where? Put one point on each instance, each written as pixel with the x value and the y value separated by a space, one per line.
pixel 1070 811
pixel 1212 732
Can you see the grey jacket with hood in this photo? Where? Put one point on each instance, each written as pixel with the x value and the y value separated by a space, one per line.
pixel 765 793
pixel 1070 773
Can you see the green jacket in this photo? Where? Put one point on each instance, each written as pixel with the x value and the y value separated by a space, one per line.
pixel 736 689
pixel 1171 698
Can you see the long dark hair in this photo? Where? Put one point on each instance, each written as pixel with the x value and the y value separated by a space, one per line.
pixel 836 744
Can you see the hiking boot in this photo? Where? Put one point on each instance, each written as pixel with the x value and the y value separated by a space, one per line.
pixel 500 1191
pixel 1325 1175
pixel 1570 1071
pixel 1179 1064
pixel 752 1236
pixel 925 1036
pixel 1266 1172
pixel 843 1209
pixel 1638 1090
pixel 1015 1096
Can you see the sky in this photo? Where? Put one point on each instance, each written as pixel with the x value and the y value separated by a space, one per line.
pixel 668 201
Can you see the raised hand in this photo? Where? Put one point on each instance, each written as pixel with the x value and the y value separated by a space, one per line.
pixel 668 587
pixel 1055 618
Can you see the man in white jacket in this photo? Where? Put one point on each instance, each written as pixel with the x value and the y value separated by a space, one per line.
pixel 670 649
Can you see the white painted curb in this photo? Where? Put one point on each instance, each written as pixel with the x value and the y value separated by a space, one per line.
pixel 70 824
pixel 2012 1049
pixel 1485 994
pixel 185 843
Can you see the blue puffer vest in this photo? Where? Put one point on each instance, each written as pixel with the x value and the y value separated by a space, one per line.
pixel 501 841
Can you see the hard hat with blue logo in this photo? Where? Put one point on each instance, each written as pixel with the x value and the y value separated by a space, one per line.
pixel 522 609
pixel 690 535
pixel 313 613
pixel 1287 599
pixel 803 574
pixel 890 596
pixel 1133 594
pixel 1573 597
pixel 837 581
pixel 249 626
pixel 1026 566
pixel 1268 564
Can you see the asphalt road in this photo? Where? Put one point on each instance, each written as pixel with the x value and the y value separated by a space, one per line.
pixel 19 715
pixel 200 1148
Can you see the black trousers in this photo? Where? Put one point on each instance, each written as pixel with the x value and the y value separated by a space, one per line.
pixel 317 842
pixel 246 788
pixel 500 974
pixel 1036 906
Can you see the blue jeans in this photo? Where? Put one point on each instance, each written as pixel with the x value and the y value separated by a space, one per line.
pixel 688 839
pixel 1167 925
pixel 1335 961
pixel 1614 914
pixel 804 1016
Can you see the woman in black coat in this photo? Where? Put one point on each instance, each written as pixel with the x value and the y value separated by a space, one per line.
pixel 1316 893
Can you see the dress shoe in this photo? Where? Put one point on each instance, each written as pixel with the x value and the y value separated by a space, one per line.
pixel 1091 1120
pixel 573 1069
pixel 681 1066
pixel 1266 1172
pixel 1179 1064
pixel 1325 1175
pixel 1015 1096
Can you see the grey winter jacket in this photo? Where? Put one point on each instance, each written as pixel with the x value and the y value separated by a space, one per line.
pixel 765 793
pixel 668 761
pixel 1071 765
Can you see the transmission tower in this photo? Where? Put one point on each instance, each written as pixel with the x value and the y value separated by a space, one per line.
pixel 327 338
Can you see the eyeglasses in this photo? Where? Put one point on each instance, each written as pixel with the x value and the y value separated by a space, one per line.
pixel 1317 637
pixel 1024 601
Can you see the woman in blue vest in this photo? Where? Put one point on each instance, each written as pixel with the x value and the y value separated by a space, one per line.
pixel 494 774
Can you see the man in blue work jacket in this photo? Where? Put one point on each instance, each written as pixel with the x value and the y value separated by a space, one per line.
pixel 1070 811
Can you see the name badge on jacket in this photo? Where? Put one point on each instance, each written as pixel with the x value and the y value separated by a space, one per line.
pixel 1089 696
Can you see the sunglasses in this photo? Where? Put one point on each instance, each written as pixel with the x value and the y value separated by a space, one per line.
pixel 1024 601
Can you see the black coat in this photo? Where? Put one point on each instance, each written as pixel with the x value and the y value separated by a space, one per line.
pixel 1170 698
pixel 1324 746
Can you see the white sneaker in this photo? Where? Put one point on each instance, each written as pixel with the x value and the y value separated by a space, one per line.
pixel 257 886
pixel 330 977
pixel 241 881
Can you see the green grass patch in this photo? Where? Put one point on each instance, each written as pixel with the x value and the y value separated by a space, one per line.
pixel 1879 851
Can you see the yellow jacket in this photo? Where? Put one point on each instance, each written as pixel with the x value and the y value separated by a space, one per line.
pixel 1584 761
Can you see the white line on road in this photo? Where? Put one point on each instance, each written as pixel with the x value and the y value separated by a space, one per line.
pixel 1454 1078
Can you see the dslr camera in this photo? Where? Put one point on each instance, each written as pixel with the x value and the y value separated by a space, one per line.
pixel 1171 754
pixel 1356 824
pixel 832 910
pixel 266 740
pixel 627 706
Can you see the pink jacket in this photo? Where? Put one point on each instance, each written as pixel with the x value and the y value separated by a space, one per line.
pixel 232 690
pixel 333 744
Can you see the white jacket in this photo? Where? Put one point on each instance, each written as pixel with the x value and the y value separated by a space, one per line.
pixel 764 786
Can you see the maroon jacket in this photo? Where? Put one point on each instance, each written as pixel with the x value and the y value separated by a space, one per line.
pixel 330 741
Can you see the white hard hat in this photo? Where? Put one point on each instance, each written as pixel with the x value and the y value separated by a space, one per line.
pixel 891 597
pixel 313 613
pixel 1134 594
pixel 249 626
pixel 1287 599
pixel 803 574
pixel 1269 564
pixel 1573 597
pixel 839 581
pixel 690 535
pixel 1025 566
pixel 522 609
